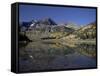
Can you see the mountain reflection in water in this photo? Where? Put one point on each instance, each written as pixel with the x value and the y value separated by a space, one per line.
pixel 38 56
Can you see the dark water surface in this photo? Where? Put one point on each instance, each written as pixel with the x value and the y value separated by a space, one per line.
pixel 38 56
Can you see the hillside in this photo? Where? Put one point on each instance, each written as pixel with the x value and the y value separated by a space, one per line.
pixel 86 32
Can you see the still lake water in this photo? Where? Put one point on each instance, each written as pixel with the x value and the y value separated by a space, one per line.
pixel 38 56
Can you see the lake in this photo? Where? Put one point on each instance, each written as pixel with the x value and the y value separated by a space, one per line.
pixel 46 55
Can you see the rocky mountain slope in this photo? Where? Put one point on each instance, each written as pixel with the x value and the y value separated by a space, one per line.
pixel 49 29
pixel 86 32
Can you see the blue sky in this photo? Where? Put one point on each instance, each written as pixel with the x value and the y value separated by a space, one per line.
pixel 80 16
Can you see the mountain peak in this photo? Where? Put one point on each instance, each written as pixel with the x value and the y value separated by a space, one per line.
pixel 72 25
pixel 47 21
